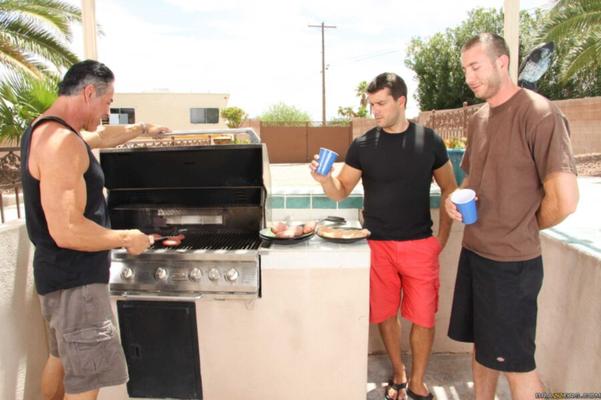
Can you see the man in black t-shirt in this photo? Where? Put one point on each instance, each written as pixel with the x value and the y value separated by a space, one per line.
pixel 396 161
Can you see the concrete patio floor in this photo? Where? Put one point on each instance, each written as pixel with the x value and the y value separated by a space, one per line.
pixel 449 377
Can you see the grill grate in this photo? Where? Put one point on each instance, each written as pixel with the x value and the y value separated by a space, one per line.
pixel 222 241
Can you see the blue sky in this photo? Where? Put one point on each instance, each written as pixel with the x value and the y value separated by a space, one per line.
pixel 262 52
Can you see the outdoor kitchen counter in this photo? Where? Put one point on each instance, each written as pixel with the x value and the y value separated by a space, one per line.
pixel 316 253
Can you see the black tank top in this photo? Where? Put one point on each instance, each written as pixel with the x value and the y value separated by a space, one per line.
pixel 54 267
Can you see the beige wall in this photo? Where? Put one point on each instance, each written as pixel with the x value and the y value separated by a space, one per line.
pixel 585 123
pixel 584 116
pixel 362 125
pixel 569 321
pixel 171 109
pixel 23 349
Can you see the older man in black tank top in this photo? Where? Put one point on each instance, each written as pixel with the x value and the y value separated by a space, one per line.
pixel 67 220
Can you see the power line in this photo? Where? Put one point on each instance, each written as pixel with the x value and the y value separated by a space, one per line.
pixel 323 69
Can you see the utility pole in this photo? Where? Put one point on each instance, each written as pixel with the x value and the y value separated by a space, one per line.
pixel 323 70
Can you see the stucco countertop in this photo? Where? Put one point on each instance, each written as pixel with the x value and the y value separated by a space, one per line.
pixel 316 253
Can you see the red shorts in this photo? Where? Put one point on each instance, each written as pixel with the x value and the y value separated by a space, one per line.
pixel 409 270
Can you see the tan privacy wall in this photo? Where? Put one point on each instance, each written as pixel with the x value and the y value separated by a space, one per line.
pixel 23 349
pixel 569 321
pixel 585 123
pixel 584 116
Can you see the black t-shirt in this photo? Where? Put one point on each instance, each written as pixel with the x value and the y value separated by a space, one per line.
pixel 396 172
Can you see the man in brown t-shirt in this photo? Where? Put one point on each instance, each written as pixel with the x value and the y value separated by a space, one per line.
pixel 520 164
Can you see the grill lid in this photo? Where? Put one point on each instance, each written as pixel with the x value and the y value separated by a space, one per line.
pixel 216 167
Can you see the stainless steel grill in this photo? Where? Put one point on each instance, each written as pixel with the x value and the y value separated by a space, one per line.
pixel 214 194
pixel 207 241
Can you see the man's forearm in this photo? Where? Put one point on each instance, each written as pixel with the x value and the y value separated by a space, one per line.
pixel 560 199
pixel 113 135
pixel 444 220
pixel 82 234
pixel 549 214
pixel 334 189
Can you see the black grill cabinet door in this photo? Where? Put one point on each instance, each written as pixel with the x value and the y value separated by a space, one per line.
pixel 160 340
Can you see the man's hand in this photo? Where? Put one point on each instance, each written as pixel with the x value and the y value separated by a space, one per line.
pixel 155 131
pixel 137 242
pixel 452 211
pixel 318 177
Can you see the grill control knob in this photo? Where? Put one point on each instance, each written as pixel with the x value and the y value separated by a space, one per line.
pixel 231 275
pixel 214 274
pixel 127 273
pixel 160 274
pixel 195 274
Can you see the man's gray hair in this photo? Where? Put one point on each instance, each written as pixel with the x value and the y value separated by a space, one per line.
pixel 88 72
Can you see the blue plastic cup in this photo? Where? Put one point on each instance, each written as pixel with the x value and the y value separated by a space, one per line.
pixel 465 200
pixel 326 160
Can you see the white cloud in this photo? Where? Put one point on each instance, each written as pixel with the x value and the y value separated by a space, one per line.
pixel 262 52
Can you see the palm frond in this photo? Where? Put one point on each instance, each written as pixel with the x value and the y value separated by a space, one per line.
pixel 34 34
pixel 30 37
pixel 584 58
pixel 54 14
pixel 22 99
pixel 575 24
pixel 15 59
pixel 575 27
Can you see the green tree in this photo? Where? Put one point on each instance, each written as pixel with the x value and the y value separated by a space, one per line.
pixel 34 33
pixel 283 113
pixel 22 99
pixel 234 116
pixel 576 24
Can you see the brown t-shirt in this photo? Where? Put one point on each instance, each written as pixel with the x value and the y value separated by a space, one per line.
pixel 511 149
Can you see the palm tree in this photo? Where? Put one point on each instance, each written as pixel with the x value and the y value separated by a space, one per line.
pixel 22 99
pixel 576 22
pixel 361 93
pixel 34 33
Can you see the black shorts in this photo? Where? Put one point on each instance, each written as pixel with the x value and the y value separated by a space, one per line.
pixel 494 307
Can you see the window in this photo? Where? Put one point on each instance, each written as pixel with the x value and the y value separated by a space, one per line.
pixel 204 115
pixel 122 116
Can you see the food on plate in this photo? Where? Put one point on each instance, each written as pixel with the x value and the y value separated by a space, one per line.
pixel 290 232
pixel 279 227
pixel 309 227
pixel 342 233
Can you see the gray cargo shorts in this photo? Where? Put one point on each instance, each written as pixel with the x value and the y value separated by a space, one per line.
pixel 82 334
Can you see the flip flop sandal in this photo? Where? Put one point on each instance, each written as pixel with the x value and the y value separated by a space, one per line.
pixel 397 387
pixel 416 396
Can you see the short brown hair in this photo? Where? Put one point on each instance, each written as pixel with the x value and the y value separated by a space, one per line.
pixel 389 80
pixel 495 44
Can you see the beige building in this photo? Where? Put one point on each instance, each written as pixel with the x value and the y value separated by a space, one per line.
pixel 179 111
